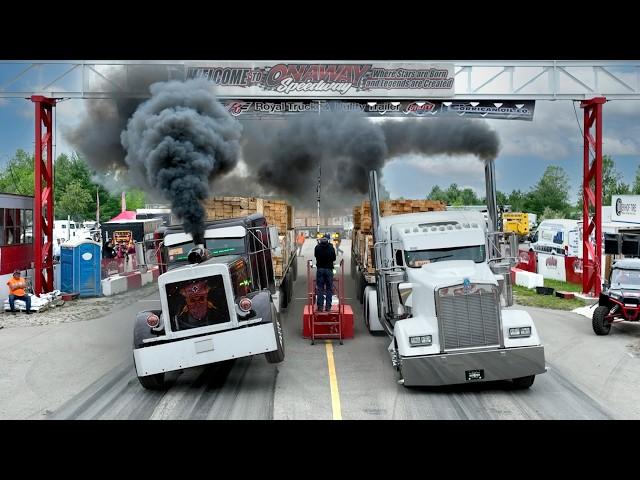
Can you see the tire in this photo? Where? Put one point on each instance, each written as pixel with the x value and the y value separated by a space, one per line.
pixel 276 356
pixel 295 269
pixel 365 310
pixel 599 323
pixel 290 288
pixel 358 280
pixel 523 382
pixel 371 307
pixel 361 287
pixel 284 292
pixel 352 272
pixel 152 382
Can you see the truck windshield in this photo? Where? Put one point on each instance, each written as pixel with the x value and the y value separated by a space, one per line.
pixel 417 258
pixel 625 277
pixel 216 246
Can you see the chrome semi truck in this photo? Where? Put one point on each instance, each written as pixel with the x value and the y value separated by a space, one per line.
pixel 436 293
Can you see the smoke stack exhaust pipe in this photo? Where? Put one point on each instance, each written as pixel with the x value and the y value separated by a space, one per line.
pixel 375 203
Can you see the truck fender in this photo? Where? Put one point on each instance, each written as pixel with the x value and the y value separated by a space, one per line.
pixel 261 304
pixel 142 331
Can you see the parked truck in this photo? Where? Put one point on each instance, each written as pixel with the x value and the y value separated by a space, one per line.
pixel 219 300
pixel 434 292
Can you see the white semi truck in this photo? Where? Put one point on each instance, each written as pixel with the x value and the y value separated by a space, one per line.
pixel 437 297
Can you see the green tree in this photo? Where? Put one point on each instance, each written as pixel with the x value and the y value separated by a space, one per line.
pixel 517 200
pixel 612 183
pixel 74 201
pixel 552 191
pixel 437 194
pixel 17 174
pixel 636 183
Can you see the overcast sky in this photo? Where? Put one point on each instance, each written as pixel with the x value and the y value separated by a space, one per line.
pixel 527 148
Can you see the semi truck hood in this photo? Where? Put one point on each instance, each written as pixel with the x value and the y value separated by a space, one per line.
pixel 452 272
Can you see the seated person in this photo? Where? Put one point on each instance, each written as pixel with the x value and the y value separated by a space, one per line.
pixel 17 285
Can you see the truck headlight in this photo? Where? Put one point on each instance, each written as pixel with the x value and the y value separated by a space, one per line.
pixel 519 332
pixel 420 341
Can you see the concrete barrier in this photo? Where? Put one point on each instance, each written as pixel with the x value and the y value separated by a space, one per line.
pixel 134 280
pixel 147 277
pixel 529 279
pixel 114 285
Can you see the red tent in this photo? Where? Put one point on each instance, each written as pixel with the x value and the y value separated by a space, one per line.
pixel 126 215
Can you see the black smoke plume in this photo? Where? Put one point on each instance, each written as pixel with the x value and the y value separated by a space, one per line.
pixel 177 142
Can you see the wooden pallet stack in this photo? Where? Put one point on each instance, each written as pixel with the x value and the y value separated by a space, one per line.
pixel 393 207
pixel 356 217
pixel 277 212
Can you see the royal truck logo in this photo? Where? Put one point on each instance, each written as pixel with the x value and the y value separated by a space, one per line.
pixel 551 262
pixel 237 108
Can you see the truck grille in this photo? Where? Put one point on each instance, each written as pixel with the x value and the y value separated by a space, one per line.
pixel 470 319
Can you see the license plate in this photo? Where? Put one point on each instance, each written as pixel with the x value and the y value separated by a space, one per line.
pixel 474 374
pixel 204 345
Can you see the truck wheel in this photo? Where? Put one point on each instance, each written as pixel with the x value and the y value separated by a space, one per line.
pixel 363 285
pixel 359 287
pixel 284 293
pixel 276 356
pixel 152 382
pixel 523 382
pixel 599 323
pixel 295 269
pixel 352 271
pixel 365 309
pixel 290 287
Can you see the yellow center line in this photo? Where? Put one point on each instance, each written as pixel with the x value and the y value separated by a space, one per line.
pixel 333 382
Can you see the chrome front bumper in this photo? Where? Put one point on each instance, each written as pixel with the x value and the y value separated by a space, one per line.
pixel 452 368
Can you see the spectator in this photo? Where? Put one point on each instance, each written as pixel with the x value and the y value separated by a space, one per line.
pixel 17 286
pixel 56 250
pixel 108 251
pixel 300 243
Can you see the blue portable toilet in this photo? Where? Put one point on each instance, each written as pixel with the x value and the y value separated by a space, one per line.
pixel 80 267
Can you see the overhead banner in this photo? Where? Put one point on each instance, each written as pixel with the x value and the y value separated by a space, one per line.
pixel 337 80
pixel 509 110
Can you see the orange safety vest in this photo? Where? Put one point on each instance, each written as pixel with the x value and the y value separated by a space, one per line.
pixel 15 281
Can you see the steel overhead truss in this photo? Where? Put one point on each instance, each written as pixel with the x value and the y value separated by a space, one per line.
pixel 43 196
pixel 479 80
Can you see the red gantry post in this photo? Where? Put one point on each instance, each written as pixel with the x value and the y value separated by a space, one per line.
pixel 592 196
pixel 43 196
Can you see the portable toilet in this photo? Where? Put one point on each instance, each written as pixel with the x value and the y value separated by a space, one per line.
pixel 80 267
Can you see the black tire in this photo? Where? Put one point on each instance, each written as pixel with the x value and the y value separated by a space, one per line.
pixel 290 288
pixel 276 356
pixel 284 292
pixel 599 323
pixel 152 382
pixel 361 287
pixel 295 269
pixel 523 382
pixel 352 272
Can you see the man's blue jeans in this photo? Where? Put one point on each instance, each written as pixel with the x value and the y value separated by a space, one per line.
pixel 25 298
pixel 324 284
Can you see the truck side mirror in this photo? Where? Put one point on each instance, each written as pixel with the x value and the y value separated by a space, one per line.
pixel 399 259
pixel 606 284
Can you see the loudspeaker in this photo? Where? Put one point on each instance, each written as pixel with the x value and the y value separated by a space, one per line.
pixel 631 244
pixel 612 243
